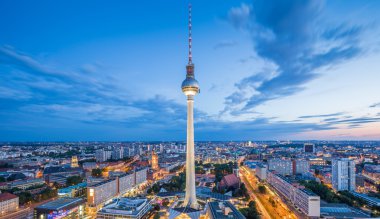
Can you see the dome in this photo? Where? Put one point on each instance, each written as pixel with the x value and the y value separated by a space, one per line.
pixel 190 84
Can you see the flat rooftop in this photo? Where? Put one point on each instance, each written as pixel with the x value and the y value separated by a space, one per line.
pixel 60 204
pixel 218 210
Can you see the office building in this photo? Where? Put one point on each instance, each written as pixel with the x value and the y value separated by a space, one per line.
pixel 61 208
pixel 343 174
pixel 8 203
pixel 305 200
pixel 131 208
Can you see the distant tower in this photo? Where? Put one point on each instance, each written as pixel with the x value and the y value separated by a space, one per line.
pixel 155 161
pixel 74 161
pixel 190 88
pixel 309 148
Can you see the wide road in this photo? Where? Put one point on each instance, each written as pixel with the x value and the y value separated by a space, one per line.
pixel 279 210
pixel 263 211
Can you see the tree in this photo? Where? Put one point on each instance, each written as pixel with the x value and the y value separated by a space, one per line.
pixel 165 202
pixel 262 189
pixel 73 180
pixel 97 172
pixel 156 207
pixel 272 201
pixel 250 212
pixel 200 170
pixel 25 197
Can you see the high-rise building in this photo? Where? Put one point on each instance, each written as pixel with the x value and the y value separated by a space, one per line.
pixel 117 153
pixel 128 152
pixel 74 162
pixel 99 155
pixel 102 155
pixel 309 148
pixel 343 174
pixel 190 88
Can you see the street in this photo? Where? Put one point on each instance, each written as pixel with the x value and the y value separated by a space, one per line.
pixel 275 209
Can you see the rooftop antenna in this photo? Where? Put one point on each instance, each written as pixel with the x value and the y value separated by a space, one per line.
pixel 190 39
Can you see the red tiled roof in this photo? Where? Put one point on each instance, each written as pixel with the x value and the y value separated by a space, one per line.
pixel 231 180
pixel 6 196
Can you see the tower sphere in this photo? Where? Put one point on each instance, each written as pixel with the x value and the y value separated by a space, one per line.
pixel 190 86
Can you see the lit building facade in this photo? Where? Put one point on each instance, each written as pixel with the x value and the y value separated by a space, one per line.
pixel 61 208
pixel 101 192
pixel 155 161
pixel 8 203
pixel 306 201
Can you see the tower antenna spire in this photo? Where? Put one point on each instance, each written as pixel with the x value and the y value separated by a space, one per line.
pixel 190 38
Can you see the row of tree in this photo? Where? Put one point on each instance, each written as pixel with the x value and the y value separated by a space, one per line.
pixel 26 197
pixel 176 184
pixel 251 211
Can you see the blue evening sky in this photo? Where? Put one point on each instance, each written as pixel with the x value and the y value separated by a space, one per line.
pixel 112 70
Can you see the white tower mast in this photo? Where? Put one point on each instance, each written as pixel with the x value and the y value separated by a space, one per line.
pixel 190 88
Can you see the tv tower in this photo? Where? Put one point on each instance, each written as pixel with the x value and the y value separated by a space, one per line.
pixel 190 88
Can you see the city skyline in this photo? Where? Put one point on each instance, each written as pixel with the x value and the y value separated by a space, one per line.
pixel 80 71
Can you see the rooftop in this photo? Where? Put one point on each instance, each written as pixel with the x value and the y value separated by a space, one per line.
pixel 130 206
pixel 224 210
pixel 7 196
pixel 60 204
pixel 342 211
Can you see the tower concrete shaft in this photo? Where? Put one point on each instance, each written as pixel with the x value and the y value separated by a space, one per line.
pixel 190 196
pixel 190 88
